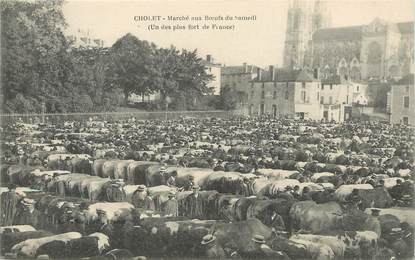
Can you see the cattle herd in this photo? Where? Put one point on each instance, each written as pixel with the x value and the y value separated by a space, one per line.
pixel 244 188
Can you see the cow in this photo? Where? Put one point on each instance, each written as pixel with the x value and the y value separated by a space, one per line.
pixel 8 240
pixel 263 209
pixel 169 237
pixel 16 228
pixel 240 235
pixel 404 214
pixel 275 174
pixel 92 245
pixel 317 218
pixel 344 190
pixel 114 210
pixel 224 182
pixel 136 171
pixel 97 167
pixel 316 250
pixel 336 245
pixel 29 247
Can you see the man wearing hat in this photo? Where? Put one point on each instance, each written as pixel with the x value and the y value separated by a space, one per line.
pixel 306 194
pixel 263 251
pixel 275 221
pixel 141 199
pixel 194 204
pixel 8 209
pixel 189 183
pixel 170 208
pixel 225 211
pixel 211 249
pixel 171 181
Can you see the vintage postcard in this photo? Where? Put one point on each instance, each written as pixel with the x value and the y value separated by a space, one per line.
pixel 194 129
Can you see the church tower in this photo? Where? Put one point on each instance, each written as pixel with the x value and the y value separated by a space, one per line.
pixel 303 19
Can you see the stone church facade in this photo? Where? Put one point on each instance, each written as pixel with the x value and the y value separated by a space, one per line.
pixel 379 50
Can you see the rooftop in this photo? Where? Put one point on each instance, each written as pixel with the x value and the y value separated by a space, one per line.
pixel 232 70
pixel 283 75
pixel 407 80
pixel 354 32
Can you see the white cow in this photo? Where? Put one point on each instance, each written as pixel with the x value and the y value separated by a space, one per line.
pixel 344 190
pixel 103 241
pixel 16 228
pixel 113 210
pixel 316 250
pixel 29 247
pixel 276 174
pixel 337 246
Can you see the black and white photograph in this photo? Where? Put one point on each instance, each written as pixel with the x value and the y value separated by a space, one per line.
pixel 207 129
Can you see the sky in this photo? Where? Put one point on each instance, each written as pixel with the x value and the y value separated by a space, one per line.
pixel 259 42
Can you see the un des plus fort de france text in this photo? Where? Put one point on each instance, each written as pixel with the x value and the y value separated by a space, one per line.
pixel 186 22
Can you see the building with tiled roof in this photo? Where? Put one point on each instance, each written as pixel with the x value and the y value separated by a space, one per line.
pixel 213 68
pixel 401 100
pixel 281 92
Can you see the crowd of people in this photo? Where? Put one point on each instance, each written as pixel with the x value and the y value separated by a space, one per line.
pixel 328 155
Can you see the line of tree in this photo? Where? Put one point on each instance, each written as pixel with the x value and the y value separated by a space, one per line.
pixel 41 66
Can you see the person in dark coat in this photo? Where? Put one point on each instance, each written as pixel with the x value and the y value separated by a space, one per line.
pixel 189 183
pixel 9 202
pixel 275 222
pixel 140 199
pixel 171 207
pixel 194 204
pixel 225 212
pixel 211 248
pixel 353 199
pixel 171 181
pixel 306 194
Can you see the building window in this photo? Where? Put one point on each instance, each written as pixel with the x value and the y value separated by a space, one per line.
pixel 286 84
pixel 262 94
pixel 405 120
pixel 331 86
pixel 303 84
pixel 322 100
pixel 263 84
pixel 286 95
pixel 274 96
pixel 303 94
pixel 322 86
pixel 330 100
pixel 406 102
pixel 407 89
pixel 347 99
pixel 357 88
pixel 318 96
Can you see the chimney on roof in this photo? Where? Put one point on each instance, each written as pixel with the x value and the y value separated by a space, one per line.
pixel 245 67
pixel 271 73
pixel 209 58
pixel 316 74
pixel 259 74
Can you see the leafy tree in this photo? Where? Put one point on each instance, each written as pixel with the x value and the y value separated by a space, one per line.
pixel 132 66
pixel 231 99
pixel 35 60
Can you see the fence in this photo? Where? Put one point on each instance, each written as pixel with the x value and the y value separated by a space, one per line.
pixel 112 116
